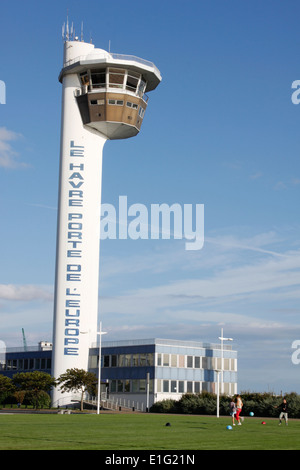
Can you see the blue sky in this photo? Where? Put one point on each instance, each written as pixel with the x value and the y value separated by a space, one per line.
pixel 220 130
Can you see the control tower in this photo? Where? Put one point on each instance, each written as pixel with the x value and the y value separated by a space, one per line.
pixel 103 98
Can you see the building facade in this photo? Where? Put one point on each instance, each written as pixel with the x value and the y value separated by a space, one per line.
pixel 142 372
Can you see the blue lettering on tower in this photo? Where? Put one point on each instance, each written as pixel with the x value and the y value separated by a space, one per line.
pixel 74 252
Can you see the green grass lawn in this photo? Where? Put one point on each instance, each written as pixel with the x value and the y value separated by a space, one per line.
pixel 142 432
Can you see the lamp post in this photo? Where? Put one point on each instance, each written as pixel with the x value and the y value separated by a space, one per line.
pixel 222 358
pixel 100 333
pixel 218 392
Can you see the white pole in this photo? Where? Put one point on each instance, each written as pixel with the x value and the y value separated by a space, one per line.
pixel 218 395
pixel 222 361
pixel 99 369
pixel 222 357
pixel 147 390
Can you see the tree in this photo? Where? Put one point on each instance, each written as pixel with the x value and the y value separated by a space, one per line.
pixel 19 396
pixel 77 380
pixel 6 387
pixel 37 383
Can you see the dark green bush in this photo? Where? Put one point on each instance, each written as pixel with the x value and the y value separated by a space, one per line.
pixel 261 404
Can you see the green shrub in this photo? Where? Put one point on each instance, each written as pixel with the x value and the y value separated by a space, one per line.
pixel 261 404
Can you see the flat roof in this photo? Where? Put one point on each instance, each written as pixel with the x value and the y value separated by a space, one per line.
pixel 131 342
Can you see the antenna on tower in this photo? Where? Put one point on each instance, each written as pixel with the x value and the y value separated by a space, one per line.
pixel 67 29
pixel 81 37
pixel 24 340
pixel 72 32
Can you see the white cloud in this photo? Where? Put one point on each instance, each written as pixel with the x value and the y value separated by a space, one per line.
pixel 8 156
pixel 27 293
pixel 225 283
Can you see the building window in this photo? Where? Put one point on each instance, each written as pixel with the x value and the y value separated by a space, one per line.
pixel 132 81
pixel 207 363
pixel 141 112
pixel 98 102
pixel 181 361
pixel 189 387
pixel 173 386
pixel 120 385
pixel 143 360
pixel 116 78
pixel 141 88
pixel 150 359
pixel 84 78
pixel 105 361
pixel 93 362
pixel 173 360
pixel 181 386
pixel 165 386
pixel 142 387
pixel 131 105
pixel 98 79
pixel 166 359
pixel 116 102
pixel 114 360
pixel 135 386
pixel 190 361
pixel 135 360
pixel 127 386
pixel 113 386
pixel 159 359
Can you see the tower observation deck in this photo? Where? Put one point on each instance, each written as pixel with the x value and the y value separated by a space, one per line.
pixel 112 90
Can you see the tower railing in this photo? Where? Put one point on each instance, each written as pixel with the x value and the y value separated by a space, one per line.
pixel 110 55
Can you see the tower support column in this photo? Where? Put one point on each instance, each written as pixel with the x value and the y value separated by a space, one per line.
pixel 78 240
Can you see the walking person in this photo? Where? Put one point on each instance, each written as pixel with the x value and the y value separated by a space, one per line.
pixel 284 412
pixel 239 406
pixel 232 410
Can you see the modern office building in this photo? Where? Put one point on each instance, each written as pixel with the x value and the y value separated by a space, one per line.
pixel 143 371
pixel 14 360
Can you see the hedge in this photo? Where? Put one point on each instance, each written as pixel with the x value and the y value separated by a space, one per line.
pixel 261 404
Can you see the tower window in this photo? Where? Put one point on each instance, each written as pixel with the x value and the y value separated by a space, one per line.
pixel 116 102
pixel 84 78
pixel 141 112
pixel 132 81
pixel 94 102
pixel 131 105
pixel 116 78
pixel 98 78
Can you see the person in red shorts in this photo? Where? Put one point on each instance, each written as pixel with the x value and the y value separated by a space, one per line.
pixel 239 406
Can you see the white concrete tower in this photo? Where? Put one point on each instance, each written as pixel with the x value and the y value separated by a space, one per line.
pixel 103 98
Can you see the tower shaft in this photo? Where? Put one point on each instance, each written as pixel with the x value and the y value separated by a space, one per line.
pixel 103 97
pixel 78 239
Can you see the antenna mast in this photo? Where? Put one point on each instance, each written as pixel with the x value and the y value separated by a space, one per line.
pixel 24 340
